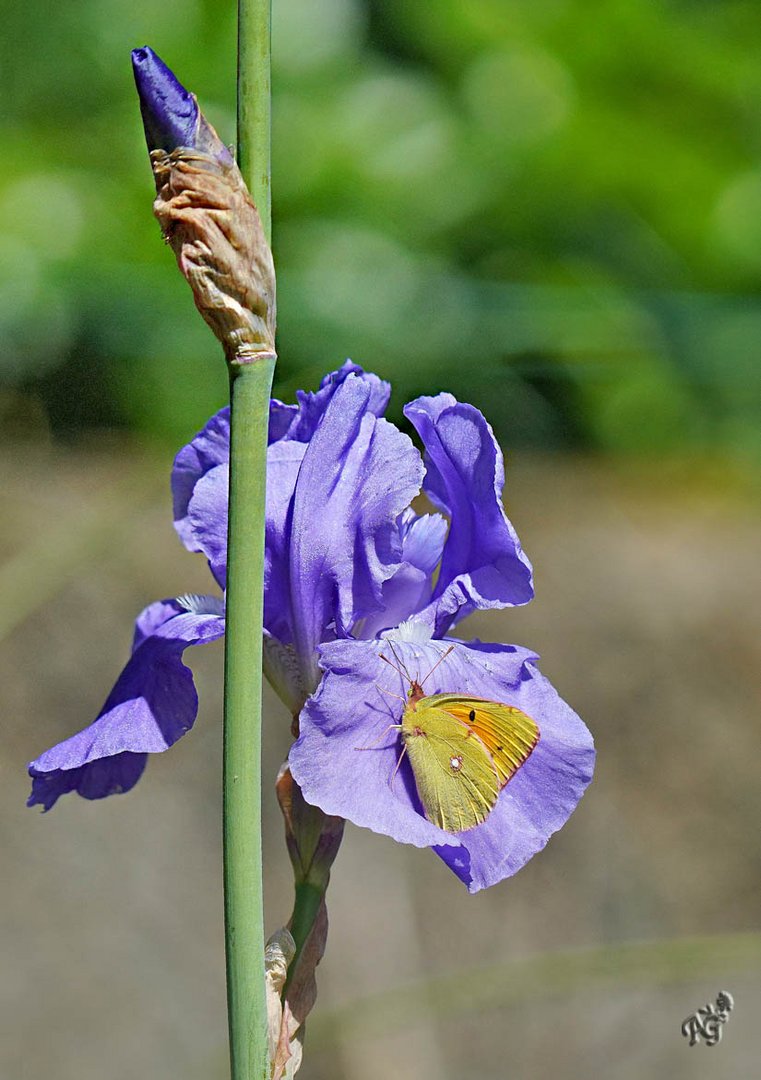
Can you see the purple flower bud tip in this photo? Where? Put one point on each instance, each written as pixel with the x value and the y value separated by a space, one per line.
pixel 170 112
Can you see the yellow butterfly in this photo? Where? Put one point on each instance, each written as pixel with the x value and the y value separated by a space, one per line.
pixel 462 749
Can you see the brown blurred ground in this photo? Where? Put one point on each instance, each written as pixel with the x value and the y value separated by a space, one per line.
pixel 647 616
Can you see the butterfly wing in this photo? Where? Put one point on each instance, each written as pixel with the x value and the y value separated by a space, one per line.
pixel 508 734
pixel 455 777
pixel 461 764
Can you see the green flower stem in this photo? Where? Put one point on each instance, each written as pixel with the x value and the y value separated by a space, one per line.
pixel 250 389
pixel 244 915
pixel 254 103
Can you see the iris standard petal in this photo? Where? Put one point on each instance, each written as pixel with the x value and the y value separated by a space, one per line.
pixel 207 518
pixel 312 404
pixel 409 589
pixel 299 422
pixel 211 446
pixel 200 487
pixel 483 565
pixel 206 521
pixel 206 450
pixel 152 705
pixel 283 463
pixel 355 707
pixel 358 474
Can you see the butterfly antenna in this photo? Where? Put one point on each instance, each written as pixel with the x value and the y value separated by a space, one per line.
pixel 402 666
pixel 391 664
pixel 443 656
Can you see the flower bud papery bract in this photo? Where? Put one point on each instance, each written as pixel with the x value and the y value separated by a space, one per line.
pixel 207 215
pixel 285 1049
pixel 313 839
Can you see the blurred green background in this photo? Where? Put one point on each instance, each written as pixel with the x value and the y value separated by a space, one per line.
pixel 558 201
pixel 552 209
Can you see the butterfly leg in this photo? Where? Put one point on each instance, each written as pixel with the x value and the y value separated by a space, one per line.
pixel 396 767
pixel 375 745
pixel 390 693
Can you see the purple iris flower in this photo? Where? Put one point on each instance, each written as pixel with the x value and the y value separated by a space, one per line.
pixel 352 573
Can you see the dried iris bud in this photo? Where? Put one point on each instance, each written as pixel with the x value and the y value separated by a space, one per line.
pixel 207 215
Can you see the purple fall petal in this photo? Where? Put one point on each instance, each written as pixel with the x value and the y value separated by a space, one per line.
pixel 483 565
pixel 345 756
pixel 152 705
pixel 350 711
pixel 545 791
pixel 105 776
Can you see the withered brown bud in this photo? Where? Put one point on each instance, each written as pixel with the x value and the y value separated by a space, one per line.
pixel 209 220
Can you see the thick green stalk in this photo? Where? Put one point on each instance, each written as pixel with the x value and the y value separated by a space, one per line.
pixel 244 909
pixel 250 387
pixel 254 97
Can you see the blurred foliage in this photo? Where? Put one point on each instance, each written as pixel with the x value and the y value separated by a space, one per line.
pixel 551 209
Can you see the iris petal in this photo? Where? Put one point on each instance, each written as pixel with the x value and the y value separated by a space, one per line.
pixel 409 588
pixel 358 474
pixel 346 730
pixel 153 703
pixel 483 564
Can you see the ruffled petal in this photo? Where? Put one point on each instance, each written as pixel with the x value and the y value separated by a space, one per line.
pixel 311 407
pixel 207 519
pixel 483 565
pixel 358 474
pixel 207 516
pixel 409 588
pixel 200 472
pixel 283 464
pixel 208 449
pixel 153 704
pixel 347 751
pixel 105 776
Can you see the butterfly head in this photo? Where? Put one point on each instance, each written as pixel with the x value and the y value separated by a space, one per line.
pixel 415 693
